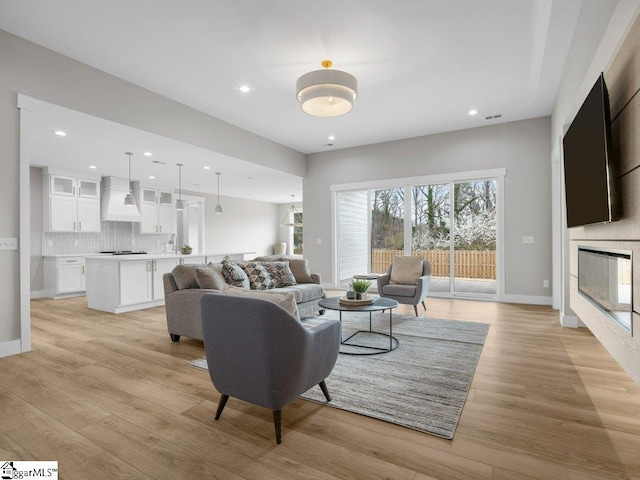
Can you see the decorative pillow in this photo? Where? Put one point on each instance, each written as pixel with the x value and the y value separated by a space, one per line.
pixel 280 274
pixel 210 277
pixel 185 276
pixel 406 270
pixel 300 270
pixel 234 275
pixel 285 300
pixel 258 275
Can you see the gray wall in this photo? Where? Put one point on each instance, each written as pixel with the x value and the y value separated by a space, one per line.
pixel 42 74
pixel 244 226
pixel 520 147
pixel 35 251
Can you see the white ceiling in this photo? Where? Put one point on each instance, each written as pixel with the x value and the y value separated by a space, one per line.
pixel 421 64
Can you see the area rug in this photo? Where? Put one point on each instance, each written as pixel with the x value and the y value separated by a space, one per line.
pixel 423 384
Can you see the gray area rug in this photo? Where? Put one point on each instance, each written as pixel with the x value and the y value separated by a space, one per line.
pixel 423 384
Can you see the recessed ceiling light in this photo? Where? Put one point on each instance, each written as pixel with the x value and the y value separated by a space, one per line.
pixel 331 137
pixel 93 167
pixel 152 177
pixel 147 154
pixel 207 167
pixel 473 112
pixel 60 133
pixel 244 88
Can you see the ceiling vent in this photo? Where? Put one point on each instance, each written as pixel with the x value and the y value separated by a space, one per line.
pixel 492 117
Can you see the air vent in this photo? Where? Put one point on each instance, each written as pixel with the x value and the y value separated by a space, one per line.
pixel 158 162
pixel 493 117
pixel 328 145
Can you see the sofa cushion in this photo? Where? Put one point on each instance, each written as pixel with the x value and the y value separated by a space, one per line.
pixel 258 275
pixel 300 269
pixel 280 274
pixel 406 270
pixel 399 290
pixel 210 276
pixel 304 292
pixel 285 299
pixel 185 276
pixel 234 275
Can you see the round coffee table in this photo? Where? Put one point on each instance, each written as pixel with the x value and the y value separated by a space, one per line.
pixel 379 304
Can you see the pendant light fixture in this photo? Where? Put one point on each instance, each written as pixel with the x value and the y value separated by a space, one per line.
pixel 327 93
pixel 179 202
pixel 129 198
pixel 289 219
pixel 218 207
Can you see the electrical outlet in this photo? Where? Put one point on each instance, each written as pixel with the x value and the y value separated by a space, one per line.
pixel 49 243
pixel 8 243
pixel 76 243
pixel 545 283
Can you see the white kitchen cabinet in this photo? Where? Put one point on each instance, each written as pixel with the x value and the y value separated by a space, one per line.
pixel 156 209
pixel 135 282
pixel 64 276
pixel 160 266
pixel 71 204
pixel 193 260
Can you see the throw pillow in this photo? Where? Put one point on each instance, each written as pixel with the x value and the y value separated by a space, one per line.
pixel 285 300
pixel 185 276
pixel 210 277
pixel 300 270
pixel 406 270
pixel 280 274
pixel 258 275
pixel 234 275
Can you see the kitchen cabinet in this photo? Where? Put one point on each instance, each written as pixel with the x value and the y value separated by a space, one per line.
pixel 157 210
pixel 141 280
pixel 64 276
pixel 71 204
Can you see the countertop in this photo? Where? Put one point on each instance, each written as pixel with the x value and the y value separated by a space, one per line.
pixel 155 255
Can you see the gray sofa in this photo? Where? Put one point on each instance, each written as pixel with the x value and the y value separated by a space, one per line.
pixel 182 293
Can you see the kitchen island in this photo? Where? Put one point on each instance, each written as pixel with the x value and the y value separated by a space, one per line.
pixel 123 283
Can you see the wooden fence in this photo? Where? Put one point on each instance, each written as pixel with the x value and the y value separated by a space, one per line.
pixel 468 263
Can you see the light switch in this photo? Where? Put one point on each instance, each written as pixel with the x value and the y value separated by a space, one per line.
pixel 8 243
pixel 528 240
pixel 319 241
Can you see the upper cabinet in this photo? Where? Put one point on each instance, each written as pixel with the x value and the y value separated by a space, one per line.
pixel 157 210
pixel 71 203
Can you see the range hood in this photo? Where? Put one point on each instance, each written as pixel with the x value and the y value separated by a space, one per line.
pixel 114 189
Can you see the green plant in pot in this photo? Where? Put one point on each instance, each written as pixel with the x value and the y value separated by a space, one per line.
pixel 186 249
pixel 359 287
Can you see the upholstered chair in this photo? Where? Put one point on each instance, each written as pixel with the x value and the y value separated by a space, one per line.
pixel 260 353
pixel 404 287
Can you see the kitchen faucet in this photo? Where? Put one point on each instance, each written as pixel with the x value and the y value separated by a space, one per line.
pixel 174 242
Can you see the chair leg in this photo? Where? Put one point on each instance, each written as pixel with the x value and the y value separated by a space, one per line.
pixel 415 308
pixel 174 338
pixel 221 404
pixel 325 390
pixel 425 307
pixel 277 422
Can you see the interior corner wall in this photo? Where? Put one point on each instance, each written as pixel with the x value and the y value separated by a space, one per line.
pixel 244 226
pixel 522 147
pixel 43 74
pixel 35 248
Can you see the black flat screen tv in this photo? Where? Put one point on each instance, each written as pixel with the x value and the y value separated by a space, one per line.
pixel 588 163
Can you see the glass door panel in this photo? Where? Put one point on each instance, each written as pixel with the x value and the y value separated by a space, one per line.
pixel 387 227
pixel 353 238
pixel 475 221
pixel 431 231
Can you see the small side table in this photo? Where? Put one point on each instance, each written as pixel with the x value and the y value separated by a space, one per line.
pixel 367 276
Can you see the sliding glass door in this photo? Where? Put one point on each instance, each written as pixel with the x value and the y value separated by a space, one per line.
pixel 387 227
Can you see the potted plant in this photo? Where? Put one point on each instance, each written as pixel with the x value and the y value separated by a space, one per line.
pixel 359 287
pixel 186 249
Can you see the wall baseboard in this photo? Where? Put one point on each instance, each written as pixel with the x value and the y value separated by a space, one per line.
pixel 527 299
pixel 39 294
pixel 571 321
pixel 11 347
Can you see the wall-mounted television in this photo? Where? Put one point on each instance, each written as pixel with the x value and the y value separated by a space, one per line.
pixel 588 164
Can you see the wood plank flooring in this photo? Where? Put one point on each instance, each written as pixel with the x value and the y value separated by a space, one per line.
pixel 109 397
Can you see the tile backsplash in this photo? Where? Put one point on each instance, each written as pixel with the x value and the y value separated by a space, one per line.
pixel 113 236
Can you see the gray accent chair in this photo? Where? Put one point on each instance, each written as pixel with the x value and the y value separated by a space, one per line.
pixel 258 352
pixel 407 294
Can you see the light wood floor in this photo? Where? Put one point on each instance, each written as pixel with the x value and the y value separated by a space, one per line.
pixel 109 396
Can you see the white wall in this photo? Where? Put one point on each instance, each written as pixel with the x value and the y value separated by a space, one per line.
pixel 36 260
pixel 43 74
pixel 520 147
pixel 244 226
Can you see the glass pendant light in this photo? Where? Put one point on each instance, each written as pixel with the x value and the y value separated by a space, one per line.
pixel 179 202
pixel 218 209
pixel 129 199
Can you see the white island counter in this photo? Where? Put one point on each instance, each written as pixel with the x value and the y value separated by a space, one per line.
pixel 123 283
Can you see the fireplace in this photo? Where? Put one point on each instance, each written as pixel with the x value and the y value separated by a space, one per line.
pixel 606 280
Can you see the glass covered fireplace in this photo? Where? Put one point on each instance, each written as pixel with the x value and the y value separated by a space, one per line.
pixel 606 279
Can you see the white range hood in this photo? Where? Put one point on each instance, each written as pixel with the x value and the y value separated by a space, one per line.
pixel 113 209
